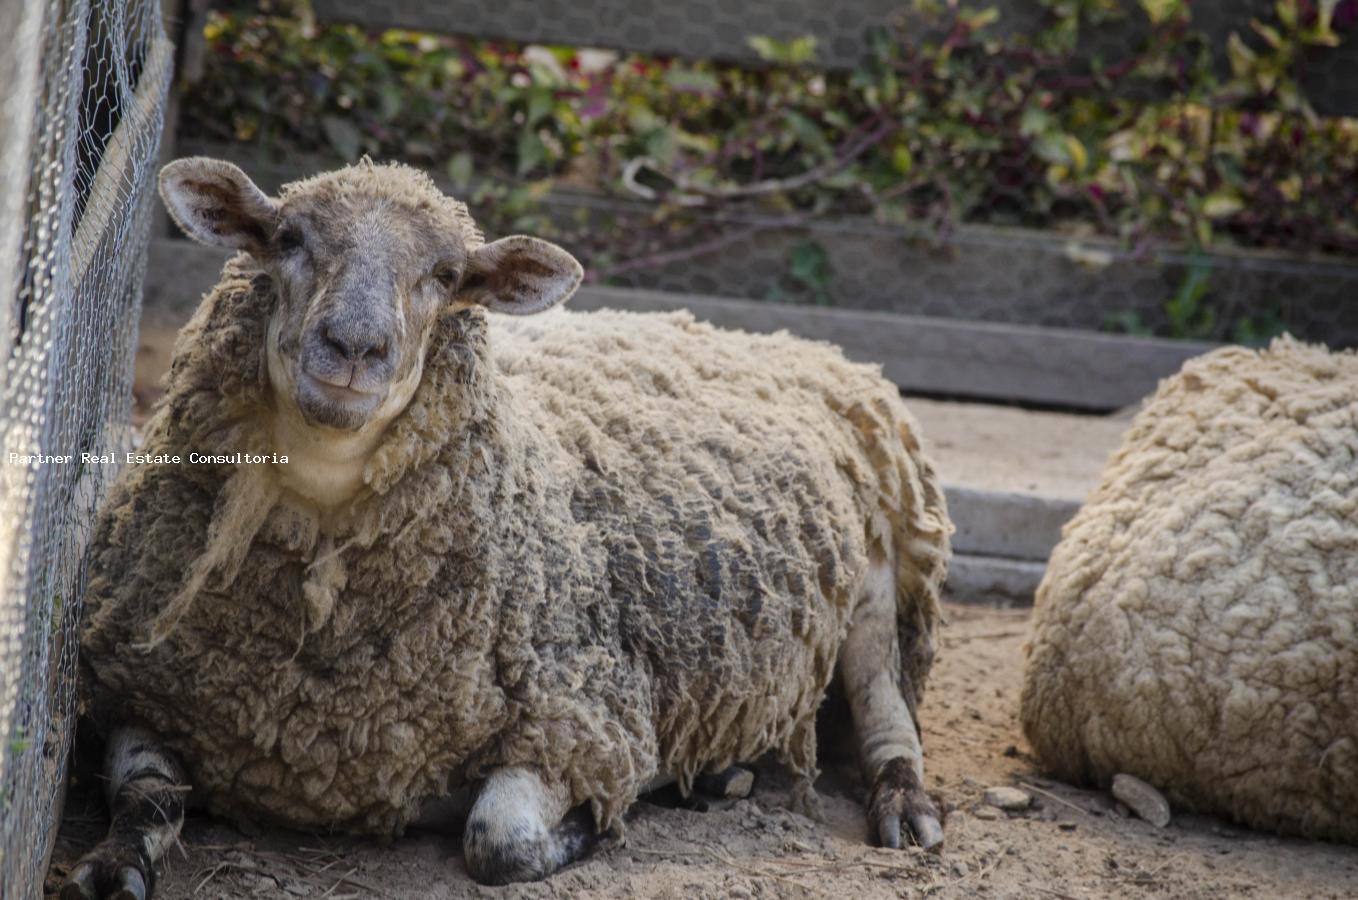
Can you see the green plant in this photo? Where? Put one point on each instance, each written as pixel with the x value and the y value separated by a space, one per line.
pixel 1190 316
pixel 948 122
pixel 809 271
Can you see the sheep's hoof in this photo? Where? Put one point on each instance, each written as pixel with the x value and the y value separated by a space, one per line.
pixel 898 798
pixel 109 872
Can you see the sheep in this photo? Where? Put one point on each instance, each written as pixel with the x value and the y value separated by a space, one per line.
pixel 1197 625
pixel 555 558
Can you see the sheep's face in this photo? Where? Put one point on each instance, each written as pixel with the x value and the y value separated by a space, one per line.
pixel 362 260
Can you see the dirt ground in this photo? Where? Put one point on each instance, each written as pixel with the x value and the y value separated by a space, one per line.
pixel 1069 844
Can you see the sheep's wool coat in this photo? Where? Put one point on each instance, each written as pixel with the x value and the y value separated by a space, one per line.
pixel 1198 623
pixel 604 545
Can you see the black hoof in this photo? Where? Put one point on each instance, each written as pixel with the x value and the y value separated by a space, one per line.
pixel 109 872
pixel 898 799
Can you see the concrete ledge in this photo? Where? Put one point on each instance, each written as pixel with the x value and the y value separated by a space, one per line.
pixel 1003 524
pixel 983 360
pixel 991 581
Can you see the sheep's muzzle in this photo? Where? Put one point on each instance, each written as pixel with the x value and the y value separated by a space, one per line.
pixel 346 367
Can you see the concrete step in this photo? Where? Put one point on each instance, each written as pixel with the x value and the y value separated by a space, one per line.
pixel 993 580
pixel 1013 478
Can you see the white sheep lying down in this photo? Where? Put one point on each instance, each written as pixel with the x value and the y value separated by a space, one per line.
pixel 553 557
pixel 1198 623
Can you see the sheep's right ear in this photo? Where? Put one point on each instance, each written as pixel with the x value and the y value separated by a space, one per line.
pixel 217 204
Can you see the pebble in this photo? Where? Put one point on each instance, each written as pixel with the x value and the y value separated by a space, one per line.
pixel 1008 799
pixel 1142 799
pixel 734 783
pixel 986 812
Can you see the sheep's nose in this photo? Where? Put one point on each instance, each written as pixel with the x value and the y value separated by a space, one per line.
pixel 355 343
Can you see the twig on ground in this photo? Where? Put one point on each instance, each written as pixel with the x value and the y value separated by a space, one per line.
pixel 1050 796
pixel 344 879
pixel 983 871
pixel 210 875
pixel 988 636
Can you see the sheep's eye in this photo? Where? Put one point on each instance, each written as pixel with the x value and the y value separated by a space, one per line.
pixel 446 276
pixel 289 239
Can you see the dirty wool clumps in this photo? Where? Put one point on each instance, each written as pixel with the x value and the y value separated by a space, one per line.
pixel 1198 623
pixel 605 545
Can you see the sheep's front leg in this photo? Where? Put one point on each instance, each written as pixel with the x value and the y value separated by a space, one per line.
pixel 521 829
pixel 888 742
pixel 146 791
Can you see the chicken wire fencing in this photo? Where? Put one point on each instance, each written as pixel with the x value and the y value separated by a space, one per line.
pixel 84 90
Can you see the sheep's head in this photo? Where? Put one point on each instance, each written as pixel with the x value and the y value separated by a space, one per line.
pixel 363 259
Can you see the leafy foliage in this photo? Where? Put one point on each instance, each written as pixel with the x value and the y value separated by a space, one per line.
pixel 952 119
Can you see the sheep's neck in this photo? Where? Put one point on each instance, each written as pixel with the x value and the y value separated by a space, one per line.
pixel 324 469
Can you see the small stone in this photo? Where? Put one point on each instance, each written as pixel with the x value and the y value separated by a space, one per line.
pixel 959 869
pixel 1066 826
pixel 735 782
pixel 1142 799
pixel 1007 798
pixel 986 812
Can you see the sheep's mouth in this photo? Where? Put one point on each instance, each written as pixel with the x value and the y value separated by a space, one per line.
pixel 332 405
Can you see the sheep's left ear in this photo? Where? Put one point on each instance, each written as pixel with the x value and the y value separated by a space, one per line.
pixel 520 275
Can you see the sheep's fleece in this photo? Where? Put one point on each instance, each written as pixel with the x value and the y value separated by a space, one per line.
pixel 603 544
pixel 1198 623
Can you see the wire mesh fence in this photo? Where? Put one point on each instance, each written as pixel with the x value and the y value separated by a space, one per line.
pixel 81 128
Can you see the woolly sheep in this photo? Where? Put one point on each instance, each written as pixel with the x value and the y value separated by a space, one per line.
pixel 554 557
pixel 1198 623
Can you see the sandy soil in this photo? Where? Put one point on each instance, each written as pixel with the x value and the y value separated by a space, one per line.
pixel 1069 844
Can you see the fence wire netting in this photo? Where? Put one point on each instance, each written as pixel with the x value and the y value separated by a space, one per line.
pixel 80 132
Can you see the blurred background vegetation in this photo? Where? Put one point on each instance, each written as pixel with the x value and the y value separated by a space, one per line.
pixel 948 121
